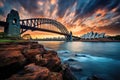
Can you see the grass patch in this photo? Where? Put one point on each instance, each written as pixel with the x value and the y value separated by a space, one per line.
pixel 5 40
pixel 8 40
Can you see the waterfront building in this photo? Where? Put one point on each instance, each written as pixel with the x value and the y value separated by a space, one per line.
pixel 92 35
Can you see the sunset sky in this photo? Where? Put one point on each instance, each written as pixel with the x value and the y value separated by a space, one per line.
pixel 79 16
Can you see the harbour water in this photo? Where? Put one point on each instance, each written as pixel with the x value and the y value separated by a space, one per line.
pixel 101 59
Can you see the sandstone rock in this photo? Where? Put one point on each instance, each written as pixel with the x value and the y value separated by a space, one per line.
pixel 11 47
pixel 32 51
pixel 41 61
pixel 10 63
pixel 32 72
pixel 36 45
pixel 20 46
pixel 50 60
pixel 38 57
pixel 9 57
pixel 30 54
pixel 9 70
pixel 55 76
pixel 31 68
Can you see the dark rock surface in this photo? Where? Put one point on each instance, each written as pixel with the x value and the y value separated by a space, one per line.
pixel 94 77
pixel 71 59
pixel 30 61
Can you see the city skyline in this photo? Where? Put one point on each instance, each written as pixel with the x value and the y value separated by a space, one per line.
pixel 79 16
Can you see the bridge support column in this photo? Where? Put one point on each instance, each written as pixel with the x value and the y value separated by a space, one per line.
pixel 69 37
pixel 13 28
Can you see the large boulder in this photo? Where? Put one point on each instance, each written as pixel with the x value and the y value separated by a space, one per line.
pixel 94 77
pixel 66 72
pixel 50 60
pixel 11 47
pixel 31 72
pixel 55 76
pixel 34 72
pixel 10 62
pixel 29 53
pixel 36 45
pixel 9 57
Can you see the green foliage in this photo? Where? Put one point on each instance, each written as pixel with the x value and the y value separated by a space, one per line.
pixel 2 34
pixel 4 38
pixel 117 37
pixel 9 40
pixel 27 36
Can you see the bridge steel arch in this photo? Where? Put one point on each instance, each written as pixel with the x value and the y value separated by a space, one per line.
pixel 34 23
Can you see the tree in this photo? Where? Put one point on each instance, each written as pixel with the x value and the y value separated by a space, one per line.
pixel 2 35
pixel 27 36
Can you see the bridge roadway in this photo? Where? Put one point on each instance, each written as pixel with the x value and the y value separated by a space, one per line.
pixel 3 24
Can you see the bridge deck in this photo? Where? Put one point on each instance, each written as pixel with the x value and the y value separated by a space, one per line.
pixel 3 24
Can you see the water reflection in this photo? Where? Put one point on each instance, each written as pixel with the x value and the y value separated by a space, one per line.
pixel 74 46
pixel 101 49
pixel 99 58
pixel 52 44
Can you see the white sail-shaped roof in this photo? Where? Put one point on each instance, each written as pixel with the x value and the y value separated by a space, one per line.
pixel 92 35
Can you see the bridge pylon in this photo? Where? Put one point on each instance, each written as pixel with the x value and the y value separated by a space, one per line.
pixel 69 37
pixel 13 28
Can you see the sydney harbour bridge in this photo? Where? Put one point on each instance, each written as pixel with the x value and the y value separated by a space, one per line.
pixel 15 27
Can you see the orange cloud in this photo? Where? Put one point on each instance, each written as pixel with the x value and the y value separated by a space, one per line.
pixel 102 12
pixel 1 4
pixel 53 1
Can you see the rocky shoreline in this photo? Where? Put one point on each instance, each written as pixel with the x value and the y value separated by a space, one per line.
pixel 31 61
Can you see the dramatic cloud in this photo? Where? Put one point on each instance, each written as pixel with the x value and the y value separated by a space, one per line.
pixel 79 16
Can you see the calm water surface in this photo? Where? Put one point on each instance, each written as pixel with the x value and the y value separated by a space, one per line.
pixel 94 58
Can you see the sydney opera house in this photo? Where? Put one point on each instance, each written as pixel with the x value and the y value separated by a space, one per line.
pixel 92 35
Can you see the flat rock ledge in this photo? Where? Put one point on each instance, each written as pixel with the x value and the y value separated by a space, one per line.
pixel 31 61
